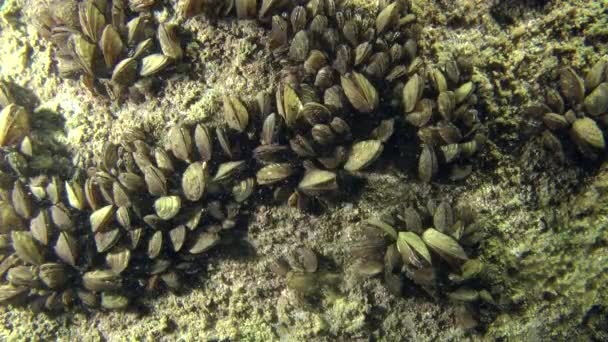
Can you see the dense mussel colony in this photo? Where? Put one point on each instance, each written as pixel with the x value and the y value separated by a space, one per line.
pixel 146 214
pixel 438 259
pixel 116 47
pixel 578 115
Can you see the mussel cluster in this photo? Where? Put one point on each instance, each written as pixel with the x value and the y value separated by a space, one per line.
pixel 329 114
pixel 579 114
pixel 146 214
pixel 139 220
pixel 117 47
pixel 428 246
pixel 303 273
pixel 448 126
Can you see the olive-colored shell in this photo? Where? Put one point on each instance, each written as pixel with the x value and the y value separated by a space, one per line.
pixel 10 292
pixel 66 248
pixel 412 93
pixel 413 250
pixel 428 165
pixel 202 140
pixel 27 248
pixel 104 240
pixel 169 43
pixel 228 170
pixel 444 245
pixel 118 259
pixel 242 190
pixel 387 17
pixel 155 244
pixel 300 46
pixel 61 218
pixel 289 105
pixel 278 33
pixel 155 181
pixel 315 113
pixel 23 276
pixel 75 195
pixel 100 218
pixel 14 124
pixel 101 280
pixel 21 201
pixel 302 146
pixel 443 217
pixel 40 227
pixel 180 142
pixel 323 135
pixel 125 72
pixel 177 236
pixel 555 122
pixel 463 92
pixel 112 301
pixel 111 46
pixel 596 103
pixel 167 207
pixel 194 181
pixel 131 181
pixel 274 173
pixel 363 154
pixel 446 103
pixel 153 64
pixel 316 182
pixel 53 275
pixel 203 242
pixel 360 92
pixel 235 113
pixel 92 20
pixel 596 75
pixel 245 8
pixel 315 61
pixel 572 85
pixel 586 133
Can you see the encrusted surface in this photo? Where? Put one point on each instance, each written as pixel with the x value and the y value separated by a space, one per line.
pixel 546 222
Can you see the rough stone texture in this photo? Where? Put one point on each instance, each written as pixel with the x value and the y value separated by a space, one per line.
pixel 546 223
